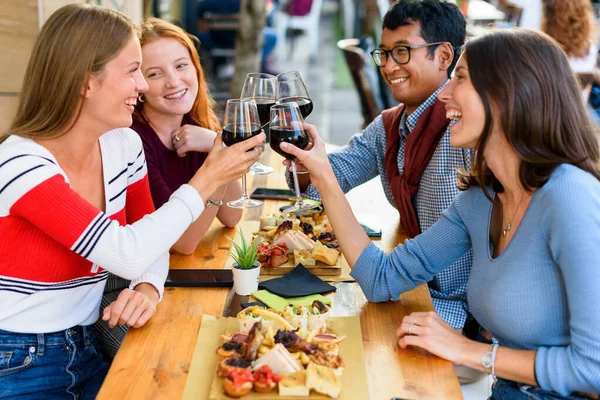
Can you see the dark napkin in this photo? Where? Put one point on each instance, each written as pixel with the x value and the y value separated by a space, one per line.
pixel 253 303
pixel 296 283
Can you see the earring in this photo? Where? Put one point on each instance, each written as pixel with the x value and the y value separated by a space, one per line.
pixel 141 98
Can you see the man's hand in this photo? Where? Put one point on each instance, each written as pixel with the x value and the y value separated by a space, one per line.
pixel 133 307
pixel 313 157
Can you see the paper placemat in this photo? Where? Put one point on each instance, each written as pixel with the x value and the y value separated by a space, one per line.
pixel 252 226
pixel 203 367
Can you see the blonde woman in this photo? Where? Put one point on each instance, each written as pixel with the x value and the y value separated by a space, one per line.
pixel 75 205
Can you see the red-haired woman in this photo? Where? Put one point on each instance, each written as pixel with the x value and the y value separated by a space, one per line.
pixel 177 125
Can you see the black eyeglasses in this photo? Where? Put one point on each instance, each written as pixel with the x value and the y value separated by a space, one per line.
pixel 400 54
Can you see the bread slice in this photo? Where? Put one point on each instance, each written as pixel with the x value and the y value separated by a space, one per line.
pixel 279 360
pixel 304 257
pixel 294 384
pixel 325 254
pixel 323 380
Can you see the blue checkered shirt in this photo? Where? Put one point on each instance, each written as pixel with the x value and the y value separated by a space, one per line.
pixel 363 159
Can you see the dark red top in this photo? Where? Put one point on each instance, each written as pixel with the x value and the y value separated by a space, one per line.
pixel 166 170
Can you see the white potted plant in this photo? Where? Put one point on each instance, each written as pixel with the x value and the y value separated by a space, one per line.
pixel 246 267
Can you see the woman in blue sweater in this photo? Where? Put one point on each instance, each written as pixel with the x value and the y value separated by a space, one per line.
pixel 529 209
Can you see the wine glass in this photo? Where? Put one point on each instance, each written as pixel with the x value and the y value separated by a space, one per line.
pixel 263 89
pixel 287 125
pixel 291 88
pixel 241 123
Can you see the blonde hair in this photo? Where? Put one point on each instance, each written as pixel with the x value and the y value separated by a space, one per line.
pixel 76 41
pixel 202 112
pixel 571 24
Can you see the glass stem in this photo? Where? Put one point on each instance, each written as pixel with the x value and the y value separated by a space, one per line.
pixel 244 195
pixel 296 184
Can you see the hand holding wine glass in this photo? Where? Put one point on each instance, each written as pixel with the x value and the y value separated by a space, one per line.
pixel 287 126
pixel 241 123
pixel 313 157
pixel 225 164
pixel 263 89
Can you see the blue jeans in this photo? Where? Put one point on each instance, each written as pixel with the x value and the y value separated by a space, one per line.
pixel 59 365
pixel 503 389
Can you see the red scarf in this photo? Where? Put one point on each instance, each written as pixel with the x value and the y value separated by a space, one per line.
pixel 420 146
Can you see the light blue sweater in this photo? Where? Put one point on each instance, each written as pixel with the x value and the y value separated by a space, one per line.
pixel 542 293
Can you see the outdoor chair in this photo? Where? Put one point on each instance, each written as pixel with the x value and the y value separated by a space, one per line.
pixel 308 23
pixel 358 63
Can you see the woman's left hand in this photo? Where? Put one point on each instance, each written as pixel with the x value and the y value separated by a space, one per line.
pixel 192 138
pixel 430 332
pixel 132 308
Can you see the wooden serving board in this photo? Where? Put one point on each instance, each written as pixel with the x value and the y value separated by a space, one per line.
pixel 248 227
pixel 354 377
pixel 319 269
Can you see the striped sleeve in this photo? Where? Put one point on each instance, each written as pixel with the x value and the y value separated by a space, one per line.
pixel 34 188
pixel 138 204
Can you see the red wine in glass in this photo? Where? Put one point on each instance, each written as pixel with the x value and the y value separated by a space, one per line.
pixel 296 136
pixel 264 109
pixel 263 89
pixel 235 133
pixel 241 122
pixel 304 104
pixel 287 125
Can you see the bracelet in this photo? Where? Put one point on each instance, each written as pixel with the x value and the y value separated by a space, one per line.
pixel 494 351
pixel 210 202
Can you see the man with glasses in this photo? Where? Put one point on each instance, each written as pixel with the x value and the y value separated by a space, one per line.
pixel 408 146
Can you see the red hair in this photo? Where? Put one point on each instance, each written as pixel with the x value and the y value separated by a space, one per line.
pixel 570 23
pixel 202 112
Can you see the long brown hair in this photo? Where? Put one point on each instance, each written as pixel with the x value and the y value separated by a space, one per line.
pixel 525 75
pixel 202 112
pixel 76 41
pixel 570 22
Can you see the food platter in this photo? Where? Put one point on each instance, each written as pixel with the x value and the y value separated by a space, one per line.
pixel 288 240
pixel 341 336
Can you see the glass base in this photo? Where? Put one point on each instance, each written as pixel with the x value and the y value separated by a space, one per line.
pixel 244 202
pixel 260 169
pixel 298 207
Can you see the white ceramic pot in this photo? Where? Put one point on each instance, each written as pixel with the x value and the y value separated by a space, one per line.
pixel 245 281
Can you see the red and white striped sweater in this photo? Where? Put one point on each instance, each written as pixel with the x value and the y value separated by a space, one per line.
pixel 56 248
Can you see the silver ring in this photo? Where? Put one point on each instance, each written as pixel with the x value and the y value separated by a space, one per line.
pixel 410 328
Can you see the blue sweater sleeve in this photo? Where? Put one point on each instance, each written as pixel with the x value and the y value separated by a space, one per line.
pixel 354 163
pixel 386 276
pixel 574 239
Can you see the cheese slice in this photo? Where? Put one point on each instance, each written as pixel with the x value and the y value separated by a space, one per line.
pixel 323 380
pixel 294 384
pixel 304 257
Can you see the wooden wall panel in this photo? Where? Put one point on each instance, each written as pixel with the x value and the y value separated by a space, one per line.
pixel 131 8
pixel 8 107
pixel 18 30
pixel 20 21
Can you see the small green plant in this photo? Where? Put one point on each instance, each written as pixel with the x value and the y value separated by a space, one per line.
pixel 245 255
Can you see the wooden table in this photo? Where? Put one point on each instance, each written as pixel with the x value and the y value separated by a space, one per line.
pixel 154 361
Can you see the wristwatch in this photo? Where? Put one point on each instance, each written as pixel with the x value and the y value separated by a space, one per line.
pixel 488 359
pixel 210 202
